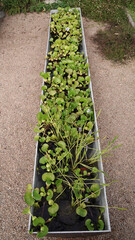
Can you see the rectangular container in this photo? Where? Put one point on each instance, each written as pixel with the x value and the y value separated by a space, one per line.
pixel 102 197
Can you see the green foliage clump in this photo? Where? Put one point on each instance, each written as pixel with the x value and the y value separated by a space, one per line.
pixel 15 6
pixel 117 46
pixel 65 130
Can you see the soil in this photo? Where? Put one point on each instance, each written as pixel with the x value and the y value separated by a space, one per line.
pixel 23 40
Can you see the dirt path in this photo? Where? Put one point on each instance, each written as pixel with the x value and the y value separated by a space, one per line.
pixel 22 50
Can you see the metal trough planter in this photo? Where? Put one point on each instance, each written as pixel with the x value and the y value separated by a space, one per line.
pixel 102 198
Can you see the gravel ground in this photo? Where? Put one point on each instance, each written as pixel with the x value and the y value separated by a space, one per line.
pixel 23 40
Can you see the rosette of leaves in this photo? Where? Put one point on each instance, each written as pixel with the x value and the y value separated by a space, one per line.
pixel 66 22
pixel 34 198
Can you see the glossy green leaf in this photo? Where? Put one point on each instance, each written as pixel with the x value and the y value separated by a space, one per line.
pixel 43 232
pixel 48 177
pixel 58 182
pixel 52 92
pixel 50 202
pixel 40 117
pixel 42 97
pixel 42 139
pixel 94 170
pixel 36 194
pixel 59 101
pixel 44 147
pixel 87 79
pixel 44 75
pixel 29 199
pixel 43 87
pixel 89 225
pixel 59 188
pixel 51 39
pixel 49 194
pixel 42 192
pixel 62 144
pixel 36 138
pixel 77 171
pixel 31 231
pixel 95 187
pixel 100 225
pixel 37 130
pixel 53 209
pixel 38 221
pixel 26 210
pixel 29 187
pixel 102 210
pixel 81 211
pixel 90 125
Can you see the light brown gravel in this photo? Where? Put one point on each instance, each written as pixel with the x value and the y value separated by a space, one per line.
pixel 23 41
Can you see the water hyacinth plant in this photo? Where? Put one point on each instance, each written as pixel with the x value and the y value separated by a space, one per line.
pixel 67 168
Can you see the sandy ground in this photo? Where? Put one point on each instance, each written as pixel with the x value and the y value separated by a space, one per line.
pixel 23 41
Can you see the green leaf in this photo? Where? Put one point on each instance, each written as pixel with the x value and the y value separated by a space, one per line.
pixel 59 188
pixel 42 139
pixel 62 144
pixel 89 139
pixel 77 171
pixel 43 160
pixel 57 80
pixel 94 170
pixel 44 75
pixel 74 132
pixel 44 147
pixel 26 210
pixel 117 146
pixel 89 225
pixel 96 189
pixel 43 232
pixel 59 101
pixel 53 209
pixel 36 205
pixel 37 130
pixel 100 225
pixel 52 92
pixel 33 217
pixel 51 202
pixel 36 194
pixel 69 71
pixel 114 139
pixel 51 39
pixel 42 192
pixel 90 125
pixel 87 78
pixel 36 138
pixel 43 87
pixel 43 167
pixel 87 65
pixel 102 210
pixel 29 199
pixel 29 187
pixel 58 182
pixel 31 231
pixel 50 195
pixel 81 211
pixel 42 97
pixel 38 221
pixel 48 177
pixel 40 117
